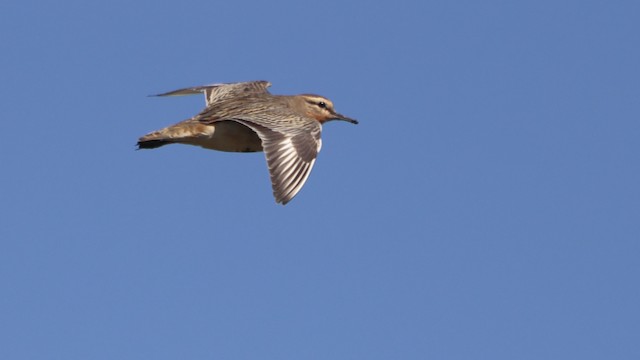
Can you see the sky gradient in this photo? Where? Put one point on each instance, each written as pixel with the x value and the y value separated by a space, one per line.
pixel 486 207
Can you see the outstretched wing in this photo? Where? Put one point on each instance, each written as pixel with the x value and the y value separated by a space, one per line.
pixel 290 155
pixel 217 92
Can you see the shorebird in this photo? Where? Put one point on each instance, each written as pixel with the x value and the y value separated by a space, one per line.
pixel 245 117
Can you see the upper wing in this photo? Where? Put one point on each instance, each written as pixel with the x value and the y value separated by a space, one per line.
pixel 217 92
pixel 290 156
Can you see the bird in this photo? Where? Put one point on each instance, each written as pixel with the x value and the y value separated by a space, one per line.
pixel 246 117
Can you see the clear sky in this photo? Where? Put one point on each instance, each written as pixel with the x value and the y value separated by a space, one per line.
pixel 487 206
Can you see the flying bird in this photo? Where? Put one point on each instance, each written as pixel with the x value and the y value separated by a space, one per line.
pixel 245 117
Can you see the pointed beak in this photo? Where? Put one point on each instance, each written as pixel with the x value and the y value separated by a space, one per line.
pixel 337 116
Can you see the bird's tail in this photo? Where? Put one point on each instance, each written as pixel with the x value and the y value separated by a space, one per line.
pixel 170 135
pixel 154 140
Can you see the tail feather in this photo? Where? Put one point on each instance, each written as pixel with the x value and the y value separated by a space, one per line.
pixel 169 135
pixel 152 143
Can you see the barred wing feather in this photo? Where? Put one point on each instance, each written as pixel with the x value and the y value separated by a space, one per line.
pixel 218 92
pixel 290 157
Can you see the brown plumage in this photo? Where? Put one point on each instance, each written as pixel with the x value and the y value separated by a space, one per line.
pixel 245 117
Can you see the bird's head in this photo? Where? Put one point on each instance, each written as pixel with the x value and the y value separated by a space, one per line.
pixel 321 109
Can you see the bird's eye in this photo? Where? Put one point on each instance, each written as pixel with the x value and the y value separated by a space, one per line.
pixel 322 104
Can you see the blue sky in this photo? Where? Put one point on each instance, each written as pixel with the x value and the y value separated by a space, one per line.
pixel 486 207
